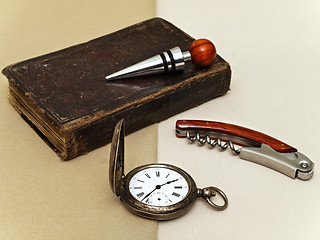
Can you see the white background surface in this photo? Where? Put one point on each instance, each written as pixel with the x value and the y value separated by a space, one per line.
pixel 273 49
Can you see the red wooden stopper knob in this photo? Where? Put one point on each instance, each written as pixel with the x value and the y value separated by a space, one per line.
pixel 203 52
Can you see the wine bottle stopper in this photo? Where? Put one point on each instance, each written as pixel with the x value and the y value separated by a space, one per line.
pixel 202 53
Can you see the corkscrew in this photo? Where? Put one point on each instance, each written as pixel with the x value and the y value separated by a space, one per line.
pixel 254 146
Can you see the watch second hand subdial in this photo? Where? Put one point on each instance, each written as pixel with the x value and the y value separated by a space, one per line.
pixel 158 187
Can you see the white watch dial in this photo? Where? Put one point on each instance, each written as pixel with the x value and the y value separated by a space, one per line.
pixel 158 186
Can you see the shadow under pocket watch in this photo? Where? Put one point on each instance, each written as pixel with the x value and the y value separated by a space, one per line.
pixel 155 191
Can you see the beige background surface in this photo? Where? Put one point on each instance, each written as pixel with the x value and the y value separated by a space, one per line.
pixel 274 52
pixel 42 197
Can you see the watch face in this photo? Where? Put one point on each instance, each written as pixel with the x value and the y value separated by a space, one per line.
pixel 158 186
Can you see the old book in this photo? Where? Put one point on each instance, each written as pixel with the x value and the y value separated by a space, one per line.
pixel 64 95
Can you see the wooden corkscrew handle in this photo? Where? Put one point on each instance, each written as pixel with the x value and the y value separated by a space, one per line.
pixel 228 131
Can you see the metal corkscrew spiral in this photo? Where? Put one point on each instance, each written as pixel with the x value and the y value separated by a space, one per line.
pixel 213 143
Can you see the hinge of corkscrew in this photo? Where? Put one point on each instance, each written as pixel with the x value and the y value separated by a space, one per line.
pixel 256 147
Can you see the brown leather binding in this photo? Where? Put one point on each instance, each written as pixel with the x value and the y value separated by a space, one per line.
pixel 65 97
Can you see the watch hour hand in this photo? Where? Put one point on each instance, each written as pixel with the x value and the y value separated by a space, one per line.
pixel 256 147
pixel 168 182
pixel 158 187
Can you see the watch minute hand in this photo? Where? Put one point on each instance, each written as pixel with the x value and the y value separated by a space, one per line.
pixel 149 193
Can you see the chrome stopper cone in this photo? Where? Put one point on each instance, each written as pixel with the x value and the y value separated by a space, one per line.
pixel 169 61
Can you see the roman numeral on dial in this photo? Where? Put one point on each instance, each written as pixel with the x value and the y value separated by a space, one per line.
pixel 140 194
pixel 176 194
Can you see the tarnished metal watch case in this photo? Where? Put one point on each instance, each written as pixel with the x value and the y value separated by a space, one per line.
pixel 120 183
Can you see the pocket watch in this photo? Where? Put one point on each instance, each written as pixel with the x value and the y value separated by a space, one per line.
pixel 155 191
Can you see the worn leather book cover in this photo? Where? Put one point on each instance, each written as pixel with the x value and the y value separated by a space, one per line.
pixel 64 95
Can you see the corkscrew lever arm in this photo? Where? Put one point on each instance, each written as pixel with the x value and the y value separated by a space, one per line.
pixel 256 147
